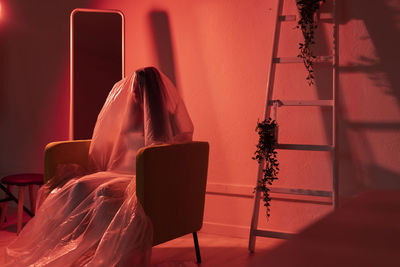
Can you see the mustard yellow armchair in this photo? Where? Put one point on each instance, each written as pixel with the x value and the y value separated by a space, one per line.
pixel 170 183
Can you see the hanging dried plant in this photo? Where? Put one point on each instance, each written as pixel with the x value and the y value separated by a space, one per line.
pixel 308 24
pixel 266 154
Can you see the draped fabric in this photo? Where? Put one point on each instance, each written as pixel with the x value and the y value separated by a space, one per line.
pixel 94 218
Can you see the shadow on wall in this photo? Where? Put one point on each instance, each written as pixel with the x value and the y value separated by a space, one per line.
pixel 349 182
pixel 162 41
pixel 358 168
pixel 379 18
pixel 382 178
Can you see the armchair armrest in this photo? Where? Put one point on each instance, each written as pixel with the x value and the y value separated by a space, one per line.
pixel 65 152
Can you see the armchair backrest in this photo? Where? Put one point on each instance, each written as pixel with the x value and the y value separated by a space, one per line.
pixel 170 184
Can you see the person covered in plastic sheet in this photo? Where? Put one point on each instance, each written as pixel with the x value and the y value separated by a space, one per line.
pixel 95 219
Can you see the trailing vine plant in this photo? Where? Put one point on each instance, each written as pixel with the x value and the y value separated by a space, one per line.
pixel 266 155
pixel 308 24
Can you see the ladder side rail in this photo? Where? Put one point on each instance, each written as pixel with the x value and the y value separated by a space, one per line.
pixel 335 183
pixel 256 211
pixel 267 110
pixel 271 76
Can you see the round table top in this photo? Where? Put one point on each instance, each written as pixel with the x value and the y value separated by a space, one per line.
pixel 23 179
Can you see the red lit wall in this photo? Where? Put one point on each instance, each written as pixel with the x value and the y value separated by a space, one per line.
pixel 218 54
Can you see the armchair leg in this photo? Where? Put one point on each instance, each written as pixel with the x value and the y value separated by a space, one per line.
pixel 196 246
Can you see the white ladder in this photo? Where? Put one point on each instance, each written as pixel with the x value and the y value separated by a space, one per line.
pixel 275 103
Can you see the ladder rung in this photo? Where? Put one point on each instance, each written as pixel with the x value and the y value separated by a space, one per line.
pixel 305 147
pixel 303 192
pixel 273 234
pixel 318 59
pixel 287 18
pixel 319 103
pixel 323 16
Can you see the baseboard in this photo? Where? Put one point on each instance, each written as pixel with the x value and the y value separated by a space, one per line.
pixel 230 190
pixel 226 229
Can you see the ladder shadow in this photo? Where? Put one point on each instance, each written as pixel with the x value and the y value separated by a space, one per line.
pixel 380 20
pixel 362 170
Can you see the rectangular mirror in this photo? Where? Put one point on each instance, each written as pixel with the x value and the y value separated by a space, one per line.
pixel 97 63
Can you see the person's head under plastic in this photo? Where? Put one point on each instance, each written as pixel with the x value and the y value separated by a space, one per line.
pixel 142 109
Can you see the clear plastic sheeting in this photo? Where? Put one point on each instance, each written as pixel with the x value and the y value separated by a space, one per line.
pixel 94 219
